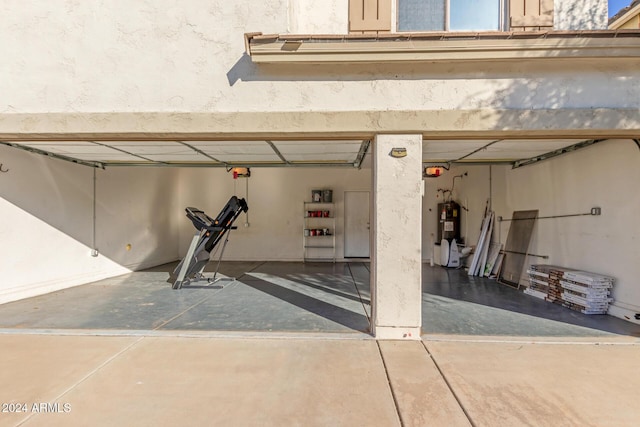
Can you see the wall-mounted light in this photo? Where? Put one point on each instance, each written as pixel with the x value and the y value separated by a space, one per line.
pixel 433 171
pixel 398 152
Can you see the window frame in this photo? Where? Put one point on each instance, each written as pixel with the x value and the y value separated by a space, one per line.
pixel 502 18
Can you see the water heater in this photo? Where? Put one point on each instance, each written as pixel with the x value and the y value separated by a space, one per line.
pixel 448 221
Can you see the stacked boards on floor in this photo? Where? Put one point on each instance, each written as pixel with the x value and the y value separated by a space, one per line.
pixel 582 291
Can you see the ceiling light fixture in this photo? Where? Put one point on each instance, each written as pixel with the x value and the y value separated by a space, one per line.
pixel 433 171
pixel 241 173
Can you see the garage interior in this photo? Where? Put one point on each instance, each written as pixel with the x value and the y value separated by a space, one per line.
pixel 282 293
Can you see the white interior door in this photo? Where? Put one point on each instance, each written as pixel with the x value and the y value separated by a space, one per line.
pixel 356 224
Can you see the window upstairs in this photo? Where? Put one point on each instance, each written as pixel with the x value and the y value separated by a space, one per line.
pixel 374 16
pixel 449 15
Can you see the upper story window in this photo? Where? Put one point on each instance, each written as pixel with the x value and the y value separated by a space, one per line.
pixel 449 15
pixel 375 16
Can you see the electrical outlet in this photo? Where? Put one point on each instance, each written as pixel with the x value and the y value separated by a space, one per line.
pixel 596 211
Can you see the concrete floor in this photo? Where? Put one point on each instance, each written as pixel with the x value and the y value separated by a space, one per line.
pixel 454 303
pixel 299 298
pixel 132 351
pixel 293 297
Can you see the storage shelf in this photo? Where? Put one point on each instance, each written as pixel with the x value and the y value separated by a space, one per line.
pixel 328 241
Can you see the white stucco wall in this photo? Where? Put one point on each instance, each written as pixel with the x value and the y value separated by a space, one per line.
pixel 396 267
pixel 46 206
pixel 318 16
pixel 188 56
pixel 581 15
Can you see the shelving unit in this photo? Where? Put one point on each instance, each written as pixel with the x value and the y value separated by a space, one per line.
pixel 320 247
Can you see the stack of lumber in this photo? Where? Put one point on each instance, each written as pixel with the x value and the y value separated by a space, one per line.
pixel 582 291
pixel 538 281
pixel 588 293
pixel 555 288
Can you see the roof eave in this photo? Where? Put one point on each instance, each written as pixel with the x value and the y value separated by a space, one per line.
pixel 442 47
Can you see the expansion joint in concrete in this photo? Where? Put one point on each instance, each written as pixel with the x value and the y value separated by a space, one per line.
pixel 446 381
pixel 85 378
pixel 355 284
pixel 393 393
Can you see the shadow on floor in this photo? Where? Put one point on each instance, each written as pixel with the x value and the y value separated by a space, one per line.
pixel 456 303
pixel 298 297
pixel 291 297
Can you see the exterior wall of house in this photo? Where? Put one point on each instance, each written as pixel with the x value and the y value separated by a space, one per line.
pixel 331 16
pixel 580 14
pixel 318 16
pixel 79 58
pixel 167 56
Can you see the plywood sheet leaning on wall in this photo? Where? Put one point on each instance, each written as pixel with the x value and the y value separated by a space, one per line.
pixel 517 247
pixel 483 241
pixel 485 247
pixel 494 252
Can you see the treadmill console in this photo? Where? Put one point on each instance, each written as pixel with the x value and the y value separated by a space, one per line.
pixel 199 219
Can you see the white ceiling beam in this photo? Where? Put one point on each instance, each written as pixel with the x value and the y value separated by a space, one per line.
pixel 197 150
pixel 275 150
pixel 555 153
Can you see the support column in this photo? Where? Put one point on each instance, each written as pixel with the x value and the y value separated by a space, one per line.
pixel 396 261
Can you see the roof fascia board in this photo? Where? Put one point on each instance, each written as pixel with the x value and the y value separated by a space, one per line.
pixel 559 45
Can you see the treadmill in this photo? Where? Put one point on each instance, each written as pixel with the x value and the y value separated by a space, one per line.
pixel 210 233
